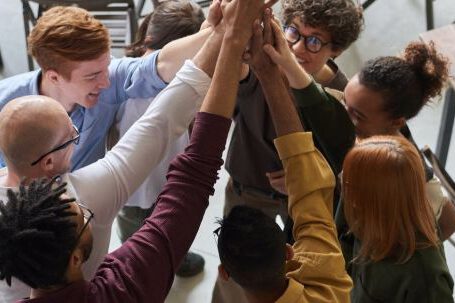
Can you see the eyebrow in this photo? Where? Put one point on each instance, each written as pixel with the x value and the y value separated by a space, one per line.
pixel 359 113
pixel 317 34
pixel 92 74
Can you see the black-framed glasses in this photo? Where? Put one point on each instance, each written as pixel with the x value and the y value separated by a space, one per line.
pixel 88 216
pixel 74 140
pixel 312 43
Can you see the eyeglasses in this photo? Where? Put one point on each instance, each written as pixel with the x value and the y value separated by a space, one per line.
pixel 74 140
pixel 88 216
pixel 312 43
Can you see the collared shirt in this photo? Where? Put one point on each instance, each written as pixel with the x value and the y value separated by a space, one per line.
pixel 129 77
pixel 104 186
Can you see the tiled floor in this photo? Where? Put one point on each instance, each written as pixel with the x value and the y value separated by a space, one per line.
pixel 390 24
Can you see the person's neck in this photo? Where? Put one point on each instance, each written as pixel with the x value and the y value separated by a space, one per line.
pixel 10 180
pixel 324 76
pixel 74 277
pixel 43 292
pixel 48 89
pixel 13 178
pixel 268 296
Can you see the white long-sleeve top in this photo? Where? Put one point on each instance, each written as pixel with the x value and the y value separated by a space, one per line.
pixel 105 185
pixel 145 196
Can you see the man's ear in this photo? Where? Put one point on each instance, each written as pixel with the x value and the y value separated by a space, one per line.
pixel 76 258
pixel 289 252
pixel 223 273
pixel 47 164
pixel 52 76
pixel 74 269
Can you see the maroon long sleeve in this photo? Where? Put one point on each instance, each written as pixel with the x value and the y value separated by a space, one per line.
pixel 142 269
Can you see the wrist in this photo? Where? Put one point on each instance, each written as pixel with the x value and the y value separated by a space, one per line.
pixel 298 78
pixel 235 41
pixel 267 73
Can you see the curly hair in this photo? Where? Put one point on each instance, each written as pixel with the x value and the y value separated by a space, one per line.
pixel 408 82
pixel 342 19
pixel 253 261
pixel 36 234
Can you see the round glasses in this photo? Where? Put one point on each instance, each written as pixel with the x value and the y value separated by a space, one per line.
pixel 312 43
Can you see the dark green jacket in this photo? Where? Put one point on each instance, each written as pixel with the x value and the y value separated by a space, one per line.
pixel 424 278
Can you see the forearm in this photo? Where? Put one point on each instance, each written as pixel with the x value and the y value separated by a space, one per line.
pixel 310 184
pixel 174 54
pixel 207 56
pixel 281 106
pixel 225 79
pixel 153 254
pixel 298 78
pixel 143 146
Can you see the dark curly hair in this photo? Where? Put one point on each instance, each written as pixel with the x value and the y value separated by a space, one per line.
pixel 169 21
pixel 252 260
pixel 406 83
pixel 36 235
pixel 342 19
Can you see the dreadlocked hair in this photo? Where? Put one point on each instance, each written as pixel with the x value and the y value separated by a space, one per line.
pixel 36 234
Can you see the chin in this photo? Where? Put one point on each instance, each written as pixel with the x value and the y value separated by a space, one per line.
pixel 90 101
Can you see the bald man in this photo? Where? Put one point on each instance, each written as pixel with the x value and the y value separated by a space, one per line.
pixel 37 138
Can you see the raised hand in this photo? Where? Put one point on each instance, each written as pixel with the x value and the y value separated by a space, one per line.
pixel 239 15
pixel 281 54
pixel 258 60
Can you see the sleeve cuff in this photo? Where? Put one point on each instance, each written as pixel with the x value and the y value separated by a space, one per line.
pixel 151 67
pixel 195 77
pixel 308 96
pixel 294 144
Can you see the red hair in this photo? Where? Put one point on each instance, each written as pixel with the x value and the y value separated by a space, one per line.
pixel 385 201
pixel 64 35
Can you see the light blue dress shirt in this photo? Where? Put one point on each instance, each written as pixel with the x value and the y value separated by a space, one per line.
pixel 129 77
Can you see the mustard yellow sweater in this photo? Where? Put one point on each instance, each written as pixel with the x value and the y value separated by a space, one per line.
pixel 317 271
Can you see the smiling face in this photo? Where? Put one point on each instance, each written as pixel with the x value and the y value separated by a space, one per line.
pixel 312 62
pixel 87 80
pixel 366 110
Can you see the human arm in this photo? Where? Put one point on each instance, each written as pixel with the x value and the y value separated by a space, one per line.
pixel 320 109
pixel 125 167
pixel 443 208
pixel 146 263
pixel 159 246
pixel 310 183
pixel 318 263
pixel 176 52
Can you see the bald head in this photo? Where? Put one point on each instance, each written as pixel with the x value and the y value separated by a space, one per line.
pixel 30 126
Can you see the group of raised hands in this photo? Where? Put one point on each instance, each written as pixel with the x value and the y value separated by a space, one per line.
pixel 253 25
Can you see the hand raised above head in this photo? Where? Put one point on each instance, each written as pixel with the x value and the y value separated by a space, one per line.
pixel 239 15
pixel 215 15
pixel 281 54
pixel 258 60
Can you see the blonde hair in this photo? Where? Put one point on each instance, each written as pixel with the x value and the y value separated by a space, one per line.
pixel 64 35
pixel 385 201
